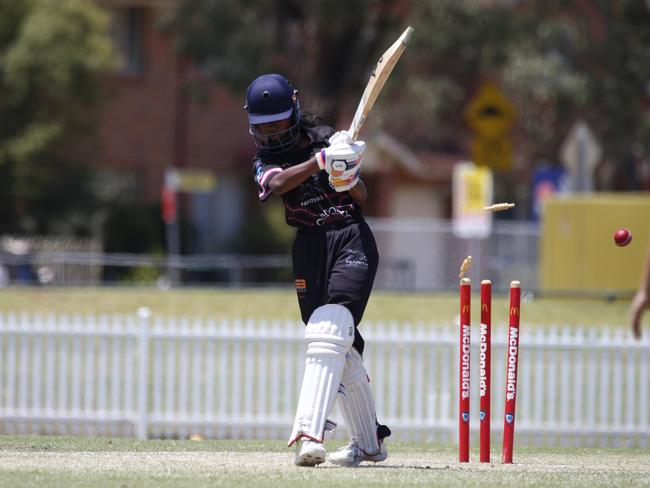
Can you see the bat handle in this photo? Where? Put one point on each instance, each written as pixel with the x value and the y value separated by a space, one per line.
pixel 357 122
pixel 354 130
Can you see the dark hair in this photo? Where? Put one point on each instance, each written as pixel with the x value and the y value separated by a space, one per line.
pixel 311 120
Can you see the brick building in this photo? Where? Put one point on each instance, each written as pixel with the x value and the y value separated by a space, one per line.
pixel 149 124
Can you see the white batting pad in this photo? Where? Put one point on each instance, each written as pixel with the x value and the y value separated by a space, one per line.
pixel 329 335
pixel 357 405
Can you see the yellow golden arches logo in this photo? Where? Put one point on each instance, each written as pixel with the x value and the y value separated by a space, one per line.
pixel 484 307
pixel 465 309
pixel 514 310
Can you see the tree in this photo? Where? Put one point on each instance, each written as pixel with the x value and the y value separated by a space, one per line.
pixel 52 54
pixel 556 60
pixel 326 50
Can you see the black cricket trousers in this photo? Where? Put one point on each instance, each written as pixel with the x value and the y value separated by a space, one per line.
pixel 335 266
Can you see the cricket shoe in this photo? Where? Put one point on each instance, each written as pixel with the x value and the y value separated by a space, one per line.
pixel 310 453
pixel 352 455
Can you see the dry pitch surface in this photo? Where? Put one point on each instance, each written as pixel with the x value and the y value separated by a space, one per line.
pixel 99 462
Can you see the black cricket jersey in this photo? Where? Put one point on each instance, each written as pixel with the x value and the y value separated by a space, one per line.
pixel 334 253
pixel 314 203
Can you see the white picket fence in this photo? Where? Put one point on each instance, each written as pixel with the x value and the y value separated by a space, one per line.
pixel 153 377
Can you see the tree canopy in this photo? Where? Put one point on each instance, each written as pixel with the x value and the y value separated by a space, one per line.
pixel 52 54
pixel 322 46
pixel 556 60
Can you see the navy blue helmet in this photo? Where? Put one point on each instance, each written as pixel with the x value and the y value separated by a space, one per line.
pixel 271 98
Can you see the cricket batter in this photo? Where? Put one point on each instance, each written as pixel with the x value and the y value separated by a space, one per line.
pixel 316 172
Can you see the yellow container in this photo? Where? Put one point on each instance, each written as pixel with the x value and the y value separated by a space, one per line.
pixel 577 249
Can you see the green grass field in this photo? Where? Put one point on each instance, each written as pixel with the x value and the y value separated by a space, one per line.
pixel 282 304
pixel 123 463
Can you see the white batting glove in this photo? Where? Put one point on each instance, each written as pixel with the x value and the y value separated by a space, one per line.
pixel 346 180
pixel 340 157
pixel 341 136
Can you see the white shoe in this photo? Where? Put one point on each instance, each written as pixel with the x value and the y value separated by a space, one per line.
pixel 353 455
pixel 310 453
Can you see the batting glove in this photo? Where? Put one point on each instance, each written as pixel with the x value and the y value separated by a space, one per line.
pixel 346 180
pixel 341 136
pixel 340 157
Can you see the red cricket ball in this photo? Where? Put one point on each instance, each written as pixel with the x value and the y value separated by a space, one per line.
pixel 622 237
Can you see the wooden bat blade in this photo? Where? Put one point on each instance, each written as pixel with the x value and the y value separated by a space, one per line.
pixel 377 80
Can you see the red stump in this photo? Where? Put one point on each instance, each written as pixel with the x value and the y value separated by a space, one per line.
pixel 464 387
pixel 485 370
pixel 511 372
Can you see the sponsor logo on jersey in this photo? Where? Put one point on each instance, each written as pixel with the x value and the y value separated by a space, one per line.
pixel 312 200
pixel 332 214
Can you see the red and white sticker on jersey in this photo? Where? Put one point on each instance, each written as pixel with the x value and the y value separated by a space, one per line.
pixel 301 287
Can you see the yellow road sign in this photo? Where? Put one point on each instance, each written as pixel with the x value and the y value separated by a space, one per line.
pixel 191 180
pixel 490 113
pixel 493 153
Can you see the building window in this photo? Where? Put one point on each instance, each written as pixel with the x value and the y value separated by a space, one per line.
pixel 127 32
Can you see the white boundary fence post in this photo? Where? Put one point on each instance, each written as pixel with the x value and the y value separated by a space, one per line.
pixel 144 319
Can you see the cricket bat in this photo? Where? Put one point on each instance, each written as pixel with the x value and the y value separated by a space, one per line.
pixel 377 80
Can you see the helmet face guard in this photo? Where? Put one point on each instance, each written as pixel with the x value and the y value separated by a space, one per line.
pixel 271 98
pixel 280 141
